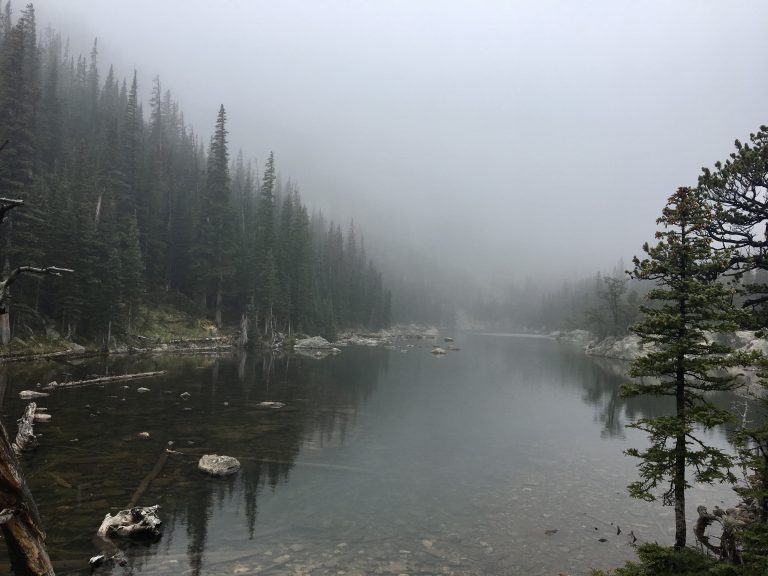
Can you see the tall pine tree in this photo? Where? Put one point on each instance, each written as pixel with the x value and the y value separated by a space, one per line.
pixel 688 301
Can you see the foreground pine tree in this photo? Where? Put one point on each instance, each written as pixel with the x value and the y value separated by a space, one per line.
pixel 687 302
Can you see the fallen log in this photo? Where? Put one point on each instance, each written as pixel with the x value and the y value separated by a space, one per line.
pixel 101 380
pixel 26 357
pixel 150 477
pixel 21 526
pixel 26 441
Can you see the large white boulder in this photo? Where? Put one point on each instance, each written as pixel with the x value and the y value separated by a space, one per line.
pixel 216 465
pixel 313 343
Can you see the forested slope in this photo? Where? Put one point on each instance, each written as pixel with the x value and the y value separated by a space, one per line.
pixel 145 211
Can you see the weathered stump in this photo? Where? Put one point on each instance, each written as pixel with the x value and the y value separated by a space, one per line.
pixel 138 522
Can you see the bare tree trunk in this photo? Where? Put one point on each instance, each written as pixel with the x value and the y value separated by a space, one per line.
pixel 219 300
pixel 5 326
pixel 243 340
pixel 21 528
pixel 680 451
pixel 130 313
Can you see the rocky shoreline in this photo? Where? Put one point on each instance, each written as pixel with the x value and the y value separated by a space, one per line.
pixel 627 348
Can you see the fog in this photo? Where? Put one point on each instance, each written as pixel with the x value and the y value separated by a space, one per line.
pixel 497 140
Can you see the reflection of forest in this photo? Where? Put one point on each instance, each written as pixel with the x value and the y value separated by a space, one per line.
pixel 89 460
pixel 602 379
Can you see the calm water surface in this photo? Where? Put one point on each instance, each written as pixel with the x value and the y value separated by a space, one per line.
pixel 502 458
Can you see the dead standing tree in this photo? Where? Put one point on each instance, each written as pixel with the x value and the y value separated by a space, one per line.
pixel 19 518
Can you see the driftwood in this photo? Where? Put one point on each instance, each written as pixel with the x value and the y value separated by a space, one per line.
pixel 732 521
pixel 26 441
pixel 21 526
pixel 137 522
pixel 101 380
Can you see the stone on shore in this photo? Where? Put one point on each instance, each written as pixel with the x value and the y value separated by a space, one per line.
pixel 313 343
pixel 626 348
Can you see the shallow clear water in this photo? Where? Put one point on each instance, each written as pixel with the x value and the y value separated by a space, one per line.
pixel 384 461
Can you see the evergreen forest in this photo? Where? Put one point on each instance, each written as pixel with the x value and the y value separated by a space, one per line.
pixel 149 212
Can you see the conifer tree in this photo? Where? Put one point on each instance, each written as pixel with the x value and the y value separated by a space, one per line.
pixel 213 245
pixel 687 301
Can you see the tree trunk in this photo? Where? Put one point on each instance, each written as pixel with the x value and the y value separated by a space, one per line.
pixel 680 451
pixel 5 326
pixel 22 531
pixel 219 301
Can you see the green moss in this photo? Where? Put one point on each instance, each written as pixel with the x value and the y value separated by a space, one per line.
pixel 164 322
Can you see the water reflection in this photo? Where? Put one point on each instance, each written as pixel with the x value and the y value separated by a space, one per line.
pixel 90 460
pixel 381 461
pixel 602 379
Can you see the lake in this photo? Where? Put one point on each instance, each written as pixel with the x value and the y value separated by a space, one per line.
pixel 502 458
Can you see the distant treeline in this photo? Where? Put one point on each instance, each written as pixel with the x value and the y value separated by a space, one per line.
pixel 134 202
pixel 606 303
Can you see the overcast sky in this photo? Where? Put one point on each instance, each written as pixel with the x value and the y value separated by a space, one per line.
pixel 501 138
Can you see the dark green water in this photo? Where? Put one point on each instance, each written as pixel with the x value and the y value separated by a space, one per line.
pixel 382 461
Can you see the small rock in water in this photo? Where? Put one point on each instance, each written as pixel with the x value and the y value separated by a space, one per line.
pixel 550 532
pixel 28 394
pixel 143 435
pixel 437 351
pixel 42 417
pixel 185 395
pixel 216 465
pixel 271 404
pixel 142 390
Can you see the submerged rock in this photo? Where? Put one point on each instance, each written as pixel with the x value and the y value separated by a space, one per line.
pixel 216 465
pixel 437 351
